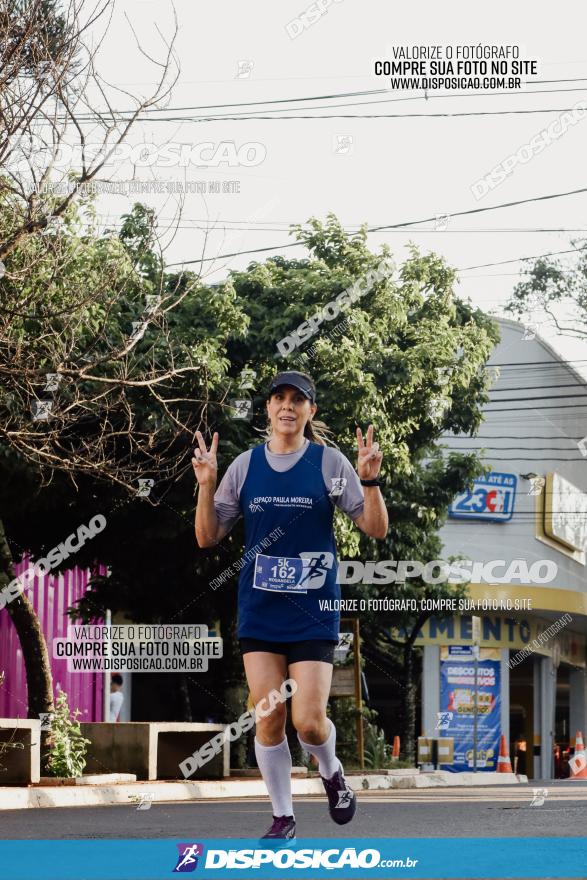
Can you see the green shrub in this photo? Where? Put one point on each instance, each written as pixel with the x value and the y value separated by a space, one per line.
pixel 67 755
pixel 377 751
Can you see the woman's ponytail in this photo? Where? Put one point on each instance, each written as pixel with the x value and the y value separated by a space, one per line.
pixel 316 432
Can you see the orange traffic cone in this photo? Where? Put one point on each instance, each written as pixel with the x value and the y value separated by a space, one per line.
pixel 504 765
pixel 395 752
pixel 578 763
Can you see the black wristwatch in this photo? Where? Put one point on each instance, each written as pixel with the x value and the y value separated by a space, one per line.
pixel 370 482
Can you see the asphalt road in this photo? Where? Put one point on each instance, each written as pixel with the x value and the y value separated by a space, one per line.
pixel 492 811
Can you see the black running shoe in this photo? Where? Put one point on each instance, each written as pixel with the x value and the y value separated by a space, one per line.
pixel 283 828
pixel 342 801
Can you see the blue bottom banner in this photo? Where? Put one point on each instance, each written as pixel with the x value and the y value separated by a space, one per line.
pixel 471 858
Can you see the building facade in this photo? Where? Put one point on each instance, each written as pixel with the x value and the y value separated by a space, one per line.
pixel 525 525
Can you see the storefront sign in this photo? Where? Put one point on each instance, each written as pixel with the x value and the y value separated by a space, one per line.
pixel 565 513
pixel 492 498
pixel 503 632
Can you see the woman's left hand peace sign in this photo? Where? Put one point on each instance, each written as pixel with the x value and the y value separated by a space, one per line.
pixel 370 456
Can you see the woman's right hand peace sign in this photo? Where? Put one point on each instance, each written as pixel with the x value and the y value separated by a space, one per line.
pixel 204 461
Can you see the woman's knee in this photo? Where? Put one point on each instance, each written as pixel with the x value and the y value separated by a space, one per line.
pixel 271 726
pixel 311 726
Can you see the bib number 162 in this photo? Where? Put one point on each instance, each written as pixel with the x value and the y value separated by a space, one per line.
pixel 283 569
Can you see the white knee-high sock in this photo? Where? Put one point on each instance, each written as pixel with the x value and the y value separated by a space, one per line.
pixel 328 763
pixel 275 766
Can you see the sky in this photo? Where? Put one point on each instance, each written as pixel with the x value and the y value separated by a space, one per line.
pixel 377 171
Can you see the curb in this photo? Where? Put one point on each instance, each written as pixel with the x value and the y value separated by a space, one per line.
pixel 128 793
pixel 90 779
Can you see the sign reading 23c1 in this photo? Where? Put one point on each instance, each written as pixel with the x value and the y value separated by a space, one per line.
pixel 492 498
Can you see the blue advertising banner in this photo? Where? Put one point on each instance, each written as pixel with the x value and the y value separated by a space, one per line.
pixel 337 858
pixel 457 686
pixel 492 498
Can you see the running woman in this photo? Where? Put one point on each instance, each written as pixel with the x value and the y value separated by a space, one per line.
pixel 287 489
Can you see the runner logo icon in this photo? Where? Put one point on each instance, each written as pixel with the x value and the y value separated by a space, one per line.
pixel 540 795
pixel 344 799
pixel 338 485
pixel 187 860
pixel 315 566
pixel 444 719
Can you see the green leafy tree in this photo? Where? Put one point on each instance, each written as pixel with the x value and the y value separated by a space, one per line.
pixel 34 32
pixel 556 290
pixel 131 382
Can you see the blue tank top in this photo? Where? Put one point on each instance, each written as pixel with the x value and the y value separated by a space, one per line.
pixel 286 576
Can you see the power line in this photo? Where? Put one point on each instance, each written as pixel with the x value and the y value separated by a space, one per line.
pixel 366 93
pixel 91 117
pixel 327 97
pixel 454 96
pixel 238 254
pixel 470 211
pixel 540 397
pixel 535 387
pixel 490 458
pixel 545 377
pixel 216 226
pixel 533 408
pixel 529 409
pixel 521 271
pixel 520 516
pixel 509 374
pixel 517 259
pixel 408 224
pixel 352 228
pixel 510 437
pixel 571 79
pixel 534 363
pixel 338 76
pixel 510 422
pixel 517 448
pixel 453 115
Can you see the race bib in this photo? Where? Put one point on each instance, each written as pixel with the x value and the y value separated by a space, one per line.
pixel 292 574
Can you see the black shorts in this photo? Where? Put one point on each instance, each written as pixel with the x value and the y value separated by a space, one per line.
pixel 311 649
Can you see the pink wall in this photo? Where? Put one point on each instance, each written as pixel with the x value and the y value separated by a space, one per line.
pixel 51 596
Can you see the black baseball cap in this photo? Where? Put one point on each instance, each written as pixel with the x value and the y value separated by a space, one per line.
pixel 296 380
